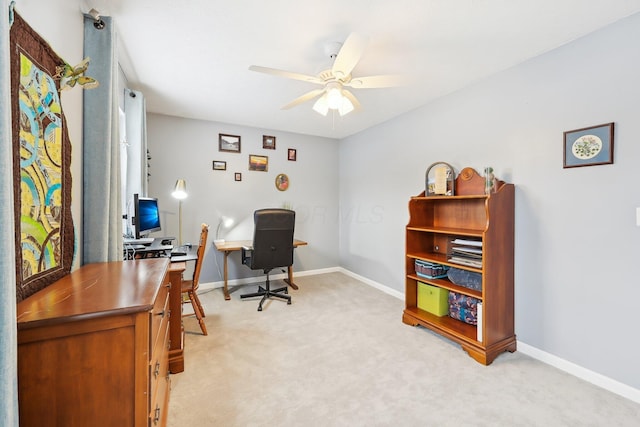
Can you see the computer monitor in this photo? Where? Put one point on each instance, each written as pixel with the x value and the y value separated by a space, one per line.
pixel 147 215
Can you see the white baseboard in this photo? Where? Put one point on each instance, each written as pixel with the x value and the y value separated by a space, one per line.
pixel 256 279
pixel 378 286
pixel 595 378
pixel 580 372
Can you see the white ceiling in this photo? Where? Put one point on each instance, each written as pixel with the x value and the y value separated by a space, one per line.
pixel 190 58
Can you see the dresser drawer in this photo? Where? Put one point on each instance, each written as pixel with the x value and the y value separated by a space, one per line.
pixel 159 380
pixel 160 313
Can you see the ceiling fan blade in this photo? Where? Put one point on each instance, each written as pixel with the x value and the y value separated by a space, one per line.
pixel 352 98
pixel 373 82
pixel 349 55
pixel 286 74
pixel 306 97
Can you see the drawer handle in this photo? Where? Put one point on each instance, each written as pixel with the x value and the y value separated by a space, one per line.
pixel 161 314
pixel 156 416
pixel 168 285
pixel 156 371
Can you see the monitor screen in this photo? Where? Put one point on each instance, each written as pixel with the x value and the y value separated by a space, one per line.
pixel 147 215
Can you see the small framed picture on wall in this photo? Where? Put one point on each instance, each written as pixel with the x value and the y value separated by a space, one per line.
pixel 229 143
pixel 291 154
pixel 268 142
pixel 219 165
pixel 588 146
pixel 238 176
pixel 258 163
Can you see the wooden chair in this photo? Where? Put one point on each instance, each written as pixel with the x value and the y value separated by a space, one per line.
pixel 190 287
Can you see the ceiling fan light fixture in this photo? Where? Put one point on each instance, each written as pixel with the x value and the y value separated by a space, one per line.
pixel 334 96
pixel 345 107
pixel 321 106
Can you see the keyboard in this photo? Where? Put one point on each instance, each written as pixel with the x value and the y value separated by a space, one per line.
pixel 141 241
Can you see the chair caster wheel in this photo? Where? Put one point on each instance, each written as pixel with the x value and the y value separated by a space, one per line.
pixel 289 302
pixel 259 308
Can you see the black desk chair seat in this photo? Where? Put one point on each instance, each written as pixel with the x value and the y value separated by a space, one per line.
pixel 272 248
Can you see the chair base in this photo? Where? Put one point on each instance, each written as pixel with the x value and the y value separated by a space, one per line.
pixel 267 293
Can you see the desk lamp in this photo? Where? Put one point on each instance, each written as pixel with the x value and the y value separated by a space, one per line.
pixel 225 222
pixel 180 193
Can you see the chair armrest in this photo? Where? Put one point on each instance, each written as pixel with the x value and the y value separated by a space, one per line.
pixel 247 251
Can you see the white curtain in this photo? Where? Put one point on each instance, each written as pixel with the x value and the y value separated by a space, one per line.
pixel 135 116
pixel 102 209
pixel 8 335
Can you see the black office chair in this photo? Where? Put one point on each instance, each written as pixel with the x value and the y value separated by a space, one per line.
pixel 272 248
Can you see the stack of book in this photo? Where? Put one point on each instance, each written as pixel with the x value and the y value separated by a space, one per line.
pixel 466 252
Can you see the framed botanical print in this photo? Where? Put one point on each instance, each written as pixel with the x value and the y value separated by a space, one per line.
pixel 588 146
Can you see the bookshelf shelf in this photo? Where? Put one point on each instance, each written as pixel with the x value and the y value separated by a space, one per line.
pixel 434 223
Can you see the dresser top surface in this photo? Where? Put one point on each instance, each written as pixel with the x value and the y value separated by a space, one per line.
pixel 95 290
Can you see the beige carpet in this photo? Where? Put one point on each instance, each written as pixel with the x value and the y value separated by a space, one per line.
pixel 341 356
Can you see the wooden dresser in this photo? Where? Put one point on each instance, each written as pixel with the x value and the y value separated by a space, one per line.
pixel 93 347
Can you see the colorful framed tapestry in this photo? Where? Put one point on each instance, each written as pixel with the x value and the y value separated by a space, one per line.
pixel 41 164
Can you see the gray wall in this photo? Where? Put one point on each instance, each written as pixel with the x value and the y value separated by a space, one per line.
pixel 577 244
pixel 577 250
pixel 183 148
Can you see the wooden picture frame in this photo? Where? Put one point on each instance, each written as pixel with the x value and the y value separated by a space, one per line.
pixel 268 142
pixel 291 154
pixel 258 163
pixel 440 180
pixel 237 176
pixel 282 182
pixel 219 165
pixel 229 143
pixel 588 146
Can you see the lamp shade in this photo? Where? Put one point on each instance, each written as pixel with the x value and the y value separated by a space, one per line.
pixel 225 222
pixel 321 105
pixel 345 107
pixel 180 191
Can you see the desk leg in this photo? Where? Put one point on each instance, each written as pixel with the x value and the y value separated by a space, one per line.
pixel 290 278
pixel 176 332
pixel 225 290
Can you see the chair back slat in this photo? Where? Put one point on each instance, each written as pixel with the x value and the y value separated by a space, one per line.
pixel 201 247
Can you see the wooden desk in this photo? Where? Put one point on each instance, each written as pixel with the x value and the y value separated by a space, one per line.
pixel 229 246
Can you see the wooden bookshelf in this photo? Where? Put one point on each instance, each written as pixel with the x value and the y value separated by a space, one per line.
pixel 435 221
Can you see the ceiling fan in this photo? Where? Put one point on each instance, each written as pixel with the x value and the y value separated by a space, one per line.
pixel 333 95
